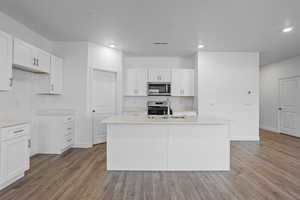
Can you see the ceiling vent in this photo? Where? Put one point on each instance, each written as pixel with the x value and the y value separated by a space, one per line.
pixel 160 43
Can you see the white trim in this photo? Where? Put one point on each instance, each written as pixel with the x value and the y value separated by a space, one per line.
pixel 82 145
pixel 11 181
pixel 245 138
pixel 269 128
pixel 101 139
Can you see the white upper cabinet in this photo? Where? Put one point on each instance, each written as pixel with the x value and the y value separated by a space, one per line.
pixel 136 82
pixel 56 80
pixel 183 83
pixel 51 83
pixel 5 61
pixel 30 58
pixel 23 54
pixel 159 75
pixel 43 60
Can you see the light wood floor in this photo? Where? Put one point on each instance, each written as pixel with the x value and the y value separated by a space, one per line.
pixel 269 169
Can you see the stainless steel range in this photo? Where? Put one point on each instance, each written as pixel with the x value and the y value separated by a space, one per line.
pixel 159 108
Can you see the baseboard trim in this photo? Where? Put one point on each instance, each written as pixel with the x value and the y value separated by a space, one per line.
pixel 268 128
pixel 83 146
pixel 245 139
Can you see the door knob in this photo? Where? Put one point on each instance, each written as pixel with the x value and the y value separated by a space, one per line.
pixel 279 108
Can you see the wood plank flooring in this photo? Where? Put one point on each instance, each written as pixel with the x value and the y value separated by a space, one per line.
pixel 269 169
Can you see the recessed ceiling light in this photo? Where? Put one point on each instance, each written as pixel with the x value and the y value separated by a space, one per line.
pixel 112 46
pixel 288 29
pixel 201 46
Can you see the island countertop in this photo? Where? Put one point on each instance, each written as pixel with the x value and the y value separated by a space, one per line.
pixel 10 123
pixel 200 120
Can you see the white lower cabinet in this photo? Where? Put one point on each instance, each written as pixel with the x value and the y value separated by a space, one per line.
pixel 56 133
pixel 15 145
pixel 168 147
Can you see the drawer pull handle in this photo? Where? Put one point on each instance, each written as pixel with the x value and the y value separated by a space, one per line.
pixel 69 118
pixel 69 140
pixel 69 128
pixel 19 131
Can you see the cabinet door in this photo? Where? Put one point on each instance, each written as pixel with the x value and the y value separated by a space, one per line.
pixel 14 155
pixel 141 82
pixel 23 54
pixel 5 61
pixel 130 81
pixel 183 82
pixel 159 75
pixel 176 83
pixel 188 83
pixel 136 82
pixel 43 61
pixel 56 80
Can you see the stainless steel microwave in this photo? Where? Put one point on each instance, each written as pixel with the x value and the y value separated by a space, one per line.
pixel 159 89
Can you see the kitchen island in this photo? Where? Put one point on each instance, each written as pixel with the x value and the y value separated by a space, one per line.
pixel 137 143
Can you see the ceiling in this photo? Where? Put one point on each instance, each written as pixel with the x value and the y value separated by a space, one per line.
pixel 133 25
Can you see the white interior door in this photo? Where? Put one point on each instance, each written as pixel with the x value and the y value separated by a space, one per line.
pixel 289 106
pixel 104 102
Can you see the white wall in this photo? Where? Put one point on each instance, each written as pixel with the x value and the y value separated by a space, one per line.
pixel 18 103
pixel 22 102
pixel 18 100
pixel 11 26
pixel 224 80
pixel 107 59
pixel 269 90
pixel 139 103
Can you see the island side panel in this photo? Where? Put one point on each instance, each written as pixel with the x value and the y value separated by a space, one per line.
pixel 199 148
pixel 137 147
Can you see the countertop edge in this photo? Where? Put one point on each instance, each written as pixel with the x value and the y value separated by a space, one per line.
pixel 9 124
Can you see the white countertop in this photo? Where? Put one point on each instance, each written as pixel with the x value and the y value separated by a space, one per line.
pixel 10 123
pixel 55 112
pixel 202 120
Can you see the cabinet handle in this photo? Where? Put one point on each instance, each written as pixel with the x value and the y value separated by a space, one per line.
pixel 69 140
pixel 52 87
pixel 69 128
pixel 19 131
pixel 37 62
pixel 33 61
pixel 29 143
pixel 10 82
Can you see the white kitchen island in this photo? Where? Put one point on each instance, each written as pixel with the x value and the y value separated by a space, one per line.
pixel 137 143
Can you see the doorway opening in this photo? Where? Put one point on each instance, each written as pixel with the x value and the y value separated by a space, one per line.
pixel 289 106
pixel 104 96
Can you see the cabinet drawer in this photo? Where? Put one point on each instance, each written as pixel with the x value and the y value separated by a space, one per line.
pixel 14 132
pixel 68 136
pixel 68 142
pixel 68 119
pixel 68 133
pixel 69 127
